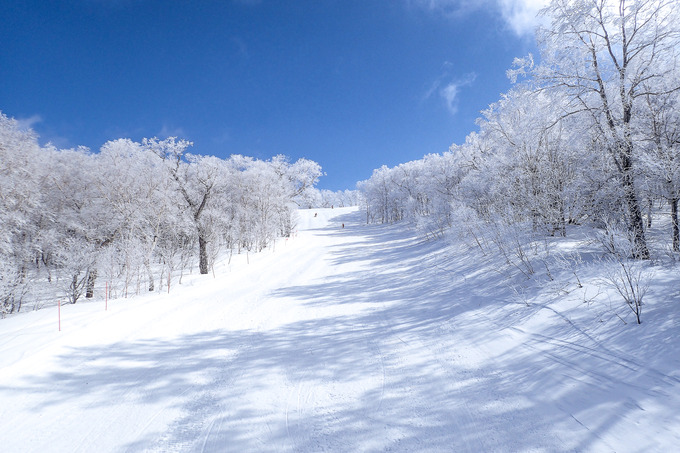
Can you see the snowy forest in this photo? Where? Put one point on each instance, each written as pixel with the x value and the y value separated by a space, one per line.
pixel 589 135
pixel 518 292
pixel 134 215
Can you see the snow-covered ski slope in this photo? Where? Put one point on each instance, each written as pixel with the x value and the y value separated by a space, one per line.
pixel 362 338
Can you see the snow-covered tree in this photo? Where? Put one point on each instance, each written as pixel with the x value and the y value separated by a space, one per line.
pixel 659 129
pixel 602 54
pixel 197 178
pixel 20 210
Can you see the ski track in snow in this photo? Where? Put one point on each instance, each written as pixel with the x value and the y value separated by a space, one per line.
pixel 341 339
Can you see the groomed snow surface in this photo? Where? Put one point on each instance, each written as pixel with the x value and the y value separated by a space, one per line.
pixel 362 338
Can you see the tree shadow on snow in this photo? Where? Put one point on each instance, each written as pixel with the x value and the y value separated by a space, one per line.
pixel 419 366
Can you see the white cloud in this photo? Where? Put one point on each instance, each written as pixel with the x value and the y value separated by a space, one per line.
pixel 28 123
pixel 449 7
pixel 167 131
pixel 447 88
pixel 451 91
pixel 447 70
pixel 47 137
pixel 521 16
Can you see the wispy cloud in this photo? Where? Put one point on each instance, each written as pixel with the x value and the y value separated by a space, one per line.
pixel 451 91
pixel 521 16
pixel 59 142
pixel 28 123
pixel 452 8
pixel 47 135
pixel 167 131
pixel 447 87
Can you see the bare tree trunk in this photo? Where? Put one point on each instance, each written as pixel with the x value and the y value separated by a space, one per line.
pixel 73 289
pixel 150 274
pixel 202 254
pixel 635 222
pixel 91 278
pixel 674 220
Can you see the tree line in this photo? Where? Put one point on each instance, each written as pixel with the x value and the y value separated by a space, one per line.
pixel 588 134
pixel 135 214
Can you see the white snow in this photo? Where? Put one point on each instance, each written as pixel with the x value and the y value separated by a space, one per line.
pixel 362 338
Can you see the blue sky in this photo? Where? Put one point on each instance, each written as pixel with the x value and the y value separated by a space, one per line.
pixel 351 84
